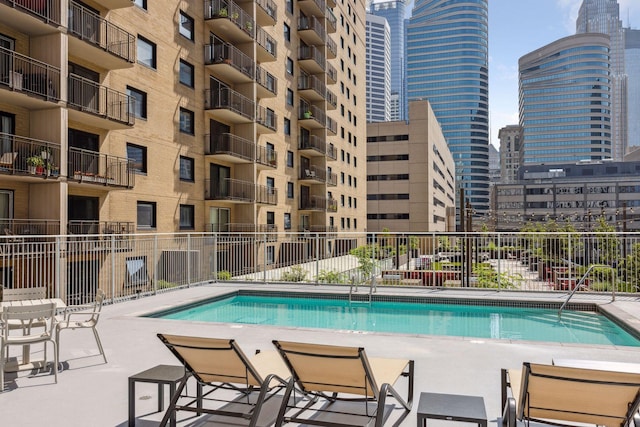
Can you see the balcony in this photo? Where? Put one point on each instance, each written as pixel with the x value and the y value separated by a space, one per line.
pixel 230 148
pixel 330 230
pixel 332 74
pixel 267 83
pixel 228 189
pixel 94 104
pixel 90 167
pixel 229 21
pixel 312 175
pixel 312 145
pixel 266 119
pixel 266 195
pixel 311 30
pixel 229 106
pixel 332 126
pixel 266 12
pixel 266 157
pixel 311 59
pixel 267 48
pixel 33 17
pixel 23 75
pixel 332 179
pixel 115 4
pixel 311 87
pixel 332 152
pixel 318 203
pixel 231 227
pixel 312 7
pixel 28 227
pixel 99 40
pixel 79 227
pixel 229 63
pixel 331 3
pixel 331 21
pixel 310 116
pixel 332 48
pixel 332 100
pixel 27 156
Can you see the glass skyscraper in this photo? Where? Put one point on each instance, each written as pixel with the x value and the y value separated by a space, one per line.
pixel 378 69
pixel 632 67
pixel 564 101
pixel 447 64
pixel 393 11
pixel 603 16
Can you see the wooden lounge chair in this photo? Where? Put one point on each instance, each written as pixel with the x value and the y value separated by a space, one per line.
pixel 560 395
pixel 233 384
pixel 335 374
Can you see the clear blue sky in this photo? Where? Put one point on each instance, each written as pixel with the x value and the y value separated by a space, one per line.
pixel 517 27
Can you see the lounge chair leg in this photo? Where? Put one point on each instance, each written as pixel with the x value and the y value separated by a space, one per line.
pixel 95 334
pixel 509 413
pixel 174 400
pixel 285 402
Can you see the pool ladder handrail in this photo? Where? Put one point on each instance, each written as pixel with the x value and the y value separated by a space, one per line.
pixel 372 288
pixel 579 285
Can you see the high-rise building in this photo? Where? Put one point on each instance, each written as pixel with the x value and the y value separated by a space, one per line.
pixel 509 137
pixel 564 101
pixel 603 16
pixel 410 174
pixel 447 64
pixel 632 68
pixel 378 69
pixel 203 115
pixel 394 12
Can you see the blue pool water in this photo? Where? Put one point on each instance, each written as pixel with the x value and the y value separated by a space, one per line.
pixel 512 323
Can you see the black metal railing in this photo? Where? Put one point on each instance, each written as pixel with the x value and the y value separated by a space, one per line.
pixel 267 118
pixel 267 195
pixel 96 168
pixel 100 227
pixel 311 82
pixel 25 74
pixel 312 23
pixel 312 53
pixel 47 10
pixel 19 154
pixel 267 42
pixel 225 53
pixel 229 99
pixel 266 80
pixel 227 9
pixel 227 143
pixel 26 227
pixel 93 98
pixel 269 6
pixel 312 142
pixel 266 156
pixel 230 189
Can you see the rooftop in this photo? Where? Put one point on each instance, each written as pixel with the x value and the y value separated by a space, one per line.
pixel 90 392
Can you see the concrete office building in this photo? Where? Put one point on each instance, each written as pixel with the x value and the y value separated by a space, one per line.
pixel 603 16
pixel 378 69
pixel 394 12
pixel 632 69
pixel 447 64
pixel 509 137
pixel 564 101
pixel 578 193
pixel 410 174
pixel 134 116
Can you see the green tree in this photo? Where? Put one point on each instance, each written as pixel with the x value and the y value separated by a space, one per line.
pixel 367 259
pixel 608 244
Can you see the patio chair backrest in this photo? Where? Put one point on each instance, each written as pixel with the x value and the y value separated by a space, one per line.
pixel 327 368
pixel 212 360
pixel 97 307
pixel 28 314
pixel 589 396
pixel 19 294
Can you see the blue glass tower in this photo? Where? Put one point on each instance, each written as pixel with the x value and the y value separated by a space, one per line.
pixel 393 11
pixel 447 64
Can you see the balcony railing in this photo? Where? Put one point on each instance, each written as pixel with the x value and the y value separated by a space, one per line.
pixel 233 145
pixel 231 227
pixel 332 99
pixel 47 10
pixel 230 189
pixel 311 82
pixel 94 98
pixel 100 227
pixel 332 48
pixel 26 227
pixel 312 7
pixel 225 53
pixel 312 53
pixel 226 98
pixel 19 154
pixel 309 111
pixel 329 229
pixel 267 42
pixel 319 203
pixel 313 173
pixel 331 21
pixel 266 195
pixel 332 74
pixel 227 9
pixel 91 28
pixel 312 142
pixel 267 118
pixel 266 80
pixel 25 74
pixel 331 125
pixel 312 23
pixel 91 167
pixel 270 8
pixel 332 152
pixel 266 156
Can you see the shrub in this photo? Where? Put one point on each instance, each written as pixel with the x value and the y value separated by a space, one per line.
pixel 163 284
pixel 296 274
pixel 331 277
pixel 223 275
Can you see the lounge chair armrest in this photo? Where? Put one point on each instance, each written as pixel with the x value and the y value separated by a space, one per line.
pixel 87 314
pixel 509 413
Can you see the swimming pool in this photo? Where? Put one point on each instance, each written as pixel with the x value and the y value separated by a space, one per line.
pixel 415 317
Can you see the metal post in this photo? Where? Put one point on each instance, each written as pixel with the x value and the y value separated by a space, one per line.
pixel 215 256
pixel 317 256
pixel 188 259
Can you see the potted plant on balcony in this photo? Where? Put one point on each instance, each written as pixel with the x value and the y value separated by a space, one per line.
pixel 52 169
pixel 248 26
pixel 223 13
pixel 36 164
pixel 234 16
pixel 307 114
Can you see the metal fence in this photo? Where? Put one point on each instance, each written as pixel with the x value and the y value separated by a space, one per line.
pixel 73 267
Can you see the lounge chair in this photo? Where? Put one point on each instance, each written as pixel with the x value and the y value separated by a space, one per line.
pixel 331 374
pixel 8 159
pixel 234 379
pixel 560 395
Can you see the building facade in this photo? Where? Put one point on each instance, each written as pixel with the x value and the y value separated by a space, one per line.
pixel 378 69
pixel 121 116
pixel 509 137
pixel 632 69
pixel 577 193
pixel 447 64
pixel 394 12
pixel 410 174
pixel 564 101
pixel 603 16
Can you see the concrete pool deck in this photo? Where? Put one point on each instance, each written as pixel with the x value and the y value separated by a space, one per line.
pixel 92 393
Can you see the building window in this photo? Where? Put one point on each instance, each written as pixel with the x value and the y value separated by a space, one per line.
pixel 289 190
pixel 289 159
pixel 186 169
pixel 186 121
pixel 186 73
pixel 146 52
pixel 271 183
pixel 146 215
pixel 289 66
pixel 138 100
pixel 342 200
pixel 287 221
pixel 289 97
pixel 287 33
pixel 287 126
pixel 186 26
pixel 289 6
pixel 187 217
pixel 142 4
pixel 137 156
pixel 271 255
pixel 341 177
